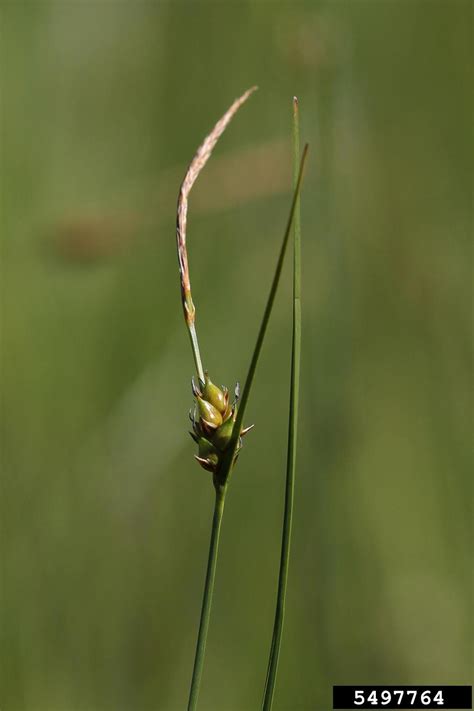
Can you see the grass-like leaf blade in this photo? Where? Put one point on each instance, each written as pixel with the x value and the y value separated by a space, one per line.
pixel 226 464
pixel 292 437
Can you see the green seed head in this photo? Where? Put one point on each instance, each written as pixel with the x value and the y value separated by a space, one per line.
pixel 208 413
pixel 213 418
pixel 223 434
pixel 206 448
pixel 214 395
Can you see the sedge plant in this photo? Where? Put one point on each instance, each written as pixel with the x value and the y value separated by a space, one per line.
pixel 216 421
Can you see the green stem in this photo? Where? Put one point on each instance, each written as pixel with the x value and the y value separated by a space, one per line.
pixel 292 437
pixel 196 353
pixel 228 458
pixel 207 598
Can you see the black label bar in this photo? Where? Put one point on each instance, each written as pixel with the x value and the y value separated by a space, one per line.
pixel 402 697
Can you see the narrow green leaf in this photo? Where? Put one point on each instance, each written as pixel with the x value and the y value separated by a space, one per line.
pixel 225 467
pixel 292 437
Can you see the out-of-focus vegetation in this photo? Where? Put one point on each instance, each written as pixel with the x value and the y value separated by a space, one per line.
pixel 105 515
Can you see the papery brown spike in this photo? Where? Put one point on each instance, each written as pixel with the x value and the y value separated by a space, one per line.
pixel 197 164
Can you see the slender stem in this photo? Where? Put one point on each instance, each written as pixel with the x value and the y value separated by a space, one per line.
pixel 196 353
pixel 292 437
pixel 228 458
pixel 207 598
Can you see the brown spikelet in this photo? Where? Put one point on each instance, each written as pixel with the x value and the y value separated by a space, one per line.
pixel 197 164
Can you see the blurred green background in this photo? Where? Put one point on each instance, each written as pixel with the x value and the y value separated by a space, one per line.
pixel 105 515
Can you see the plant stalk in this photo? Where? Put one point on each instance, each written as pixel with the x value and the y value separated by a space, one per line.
pixel 196 352
pixel 292 438
pixel 207 597
pixel 227 461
